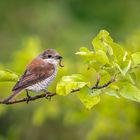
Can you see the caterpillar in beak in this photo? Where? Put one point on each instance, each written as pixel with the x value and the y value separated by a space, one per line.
pixel 60 63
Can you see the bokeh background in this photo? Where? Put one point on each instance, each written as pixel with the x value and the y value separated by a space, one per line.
pixel 26 28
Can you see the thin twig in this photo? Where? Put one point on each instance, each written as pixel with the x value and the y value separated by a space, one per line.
pixel 98 80
pixel 32 98
pixel 103 86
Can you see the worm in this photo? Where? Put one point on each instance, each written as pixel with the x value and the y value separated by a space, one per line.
pixel 60 63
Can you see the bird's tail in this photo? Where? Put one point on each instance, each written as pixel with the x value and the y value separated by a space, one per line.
pixel 13 95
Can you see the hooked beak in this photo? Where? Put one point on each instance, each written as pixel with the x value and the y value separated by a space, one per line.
pixel 58 57
pixel 60 60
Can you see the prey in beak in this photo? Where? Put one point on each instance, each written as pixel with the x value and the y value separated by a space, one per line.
pixel 60 61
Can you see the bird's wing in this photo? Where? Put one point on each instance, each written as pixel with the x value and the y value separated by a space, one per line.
pixel 37 71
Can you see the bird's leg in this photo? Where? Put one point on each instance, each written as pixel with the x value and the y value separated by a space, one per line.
pixel 48 95
pixel 28 96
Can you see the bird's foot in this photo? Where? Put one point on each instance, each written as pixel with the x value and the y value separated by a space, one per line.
pixel 28 97
pixel 48 96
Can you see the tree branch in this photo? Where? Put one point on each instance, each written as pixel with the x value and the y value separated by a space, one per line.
pixel 31 98
pixel 50 94
pixel 103 86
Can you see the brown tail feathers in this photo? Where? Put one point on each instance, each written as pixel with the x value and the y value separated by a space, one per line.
pixel 13 95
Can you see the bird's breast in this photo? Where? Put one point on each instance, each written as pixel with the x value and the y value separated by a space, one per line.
pixel 43 85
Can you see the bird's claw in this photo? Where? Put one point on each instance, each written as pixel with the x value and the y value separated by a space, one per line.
pixel 48 97
pixel 28 97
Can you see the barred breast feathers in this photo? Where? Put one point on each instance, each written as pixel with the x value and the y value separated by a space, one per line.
pixel 43 85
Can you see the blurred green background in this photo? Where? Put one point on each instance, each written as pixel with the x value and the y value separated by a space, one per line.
pixel 26 28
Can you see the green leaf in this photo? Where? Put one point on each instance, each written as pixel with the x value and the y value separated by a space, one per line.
pixel 119 52
pixel 102 42
pixel 113 51
pixel 129 91
pixel 131 77
pixel 6 75
pixel 105 76
pixel 136 58
pixel 87 98
pixel 74 77
pixel 125 66
pixel 69 83
pixel 86 53
pixel 101 57
pixel 112 90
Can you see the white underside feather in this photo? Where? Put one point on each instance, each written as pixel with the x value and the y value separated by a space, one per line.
pixel 43 85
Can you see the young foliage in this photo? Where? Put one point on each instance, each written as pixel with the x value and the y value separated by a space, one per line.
pixel 129 91
pixel 88 98
pixel 108 59
pixel 70 83
pixel 6 75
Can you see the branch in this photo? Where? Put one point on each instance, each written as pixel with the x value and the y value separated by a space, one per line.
pixel 103 86
pixel 30 98
pixel 50 94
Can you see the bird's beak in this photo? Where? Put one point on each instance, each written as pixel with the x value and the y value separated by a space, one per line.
pixel 60 60
pixel 58 57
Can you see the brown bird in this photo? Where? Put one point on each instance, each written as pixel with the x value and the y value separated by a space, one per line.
pixel 38 75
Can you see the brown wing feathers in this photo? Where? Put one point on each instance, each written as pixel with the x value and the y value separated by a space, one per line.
pixel 35 72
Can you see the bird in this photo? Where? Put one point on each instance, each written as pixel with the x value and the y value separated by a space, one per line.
pixel 38 75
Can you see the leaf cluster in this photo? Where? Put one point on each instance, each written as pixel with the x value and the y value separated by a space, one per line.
pixel 107 59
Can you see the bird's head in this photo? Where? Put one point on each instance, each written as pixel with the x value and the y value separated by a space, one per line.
pixel 51 56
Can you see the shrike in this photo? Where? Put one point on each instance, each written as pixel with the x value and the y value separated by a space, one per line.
pixel 38 75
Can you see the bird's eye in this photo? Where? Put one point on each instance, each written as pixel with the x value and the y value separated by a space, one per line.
pixel 49 56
